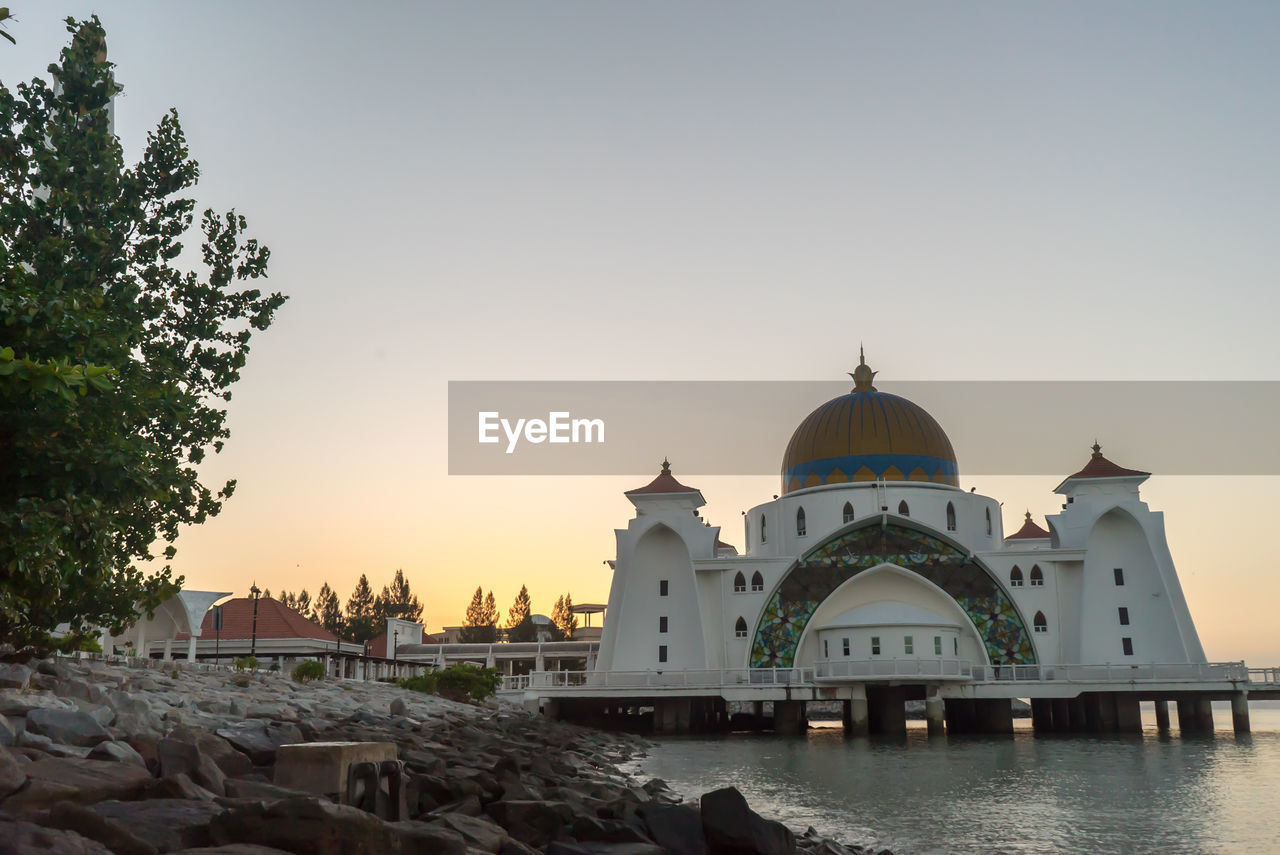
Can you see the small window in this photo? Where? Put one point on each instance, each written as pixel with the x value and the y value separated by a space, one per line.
pixel 800 528
pixel 1124 616
pixel 764 536
pixel 1127 644
pixel 988 522
pixel 937 645
pixel 951 517
pixel 955 646
pixel 739 583
pixel 662 623
pixel 903 510
pixel 740 628
pixel 1015 577
pixel 1119 571
pixel 848 512
pixel 662 653
pixel 1041 625
pixel 1037 578
pixel 826 649
pixel 662 587
pixel 875 645
pixel 908 644
pixel 757 581
pixel 844 643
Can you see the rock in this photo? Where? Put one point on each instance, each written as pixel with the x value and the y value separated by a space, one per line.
pixel 259 741
pixel 179 756
pixel 305 826
pixel 515 847
pixel 676 828
pixel 7 736
pixel 276 711
pixel 14 702
pixel 178 787
pixel 120 752
pixel 559 848
pixel 421 838
pixel 533 822
pixel 27 739
pixel 12 774
pixel 83 821
pixel 68 727
pixel 25 838
pixel 14 676
pixel 56 779
pixel 730 827
pixel 233 849
pixel 249 789
pixel 399 707
pixel 477 831
pixel 229 760
pixel 79 690
pixel 166 824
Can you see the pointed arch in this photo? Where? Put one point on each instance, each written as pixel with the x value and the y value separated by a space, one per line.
pixel 848 512
pixel 740 628
pixel 1037 577
pixel 1015 577
pixel 903 509
pixel 951 517
pixel 757 581
pixel 1040 623
pixel 800 526
pixel 739 583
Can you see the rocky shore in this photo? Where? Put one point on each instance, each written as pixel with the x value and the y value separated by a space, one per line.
pixel 102 758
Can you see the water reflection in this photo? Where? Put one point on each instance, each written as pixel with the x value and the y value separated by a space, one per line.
pixel 1017 794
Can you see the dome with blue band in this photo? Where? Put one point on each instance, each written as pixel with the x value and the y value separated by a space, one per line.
pixel 868 435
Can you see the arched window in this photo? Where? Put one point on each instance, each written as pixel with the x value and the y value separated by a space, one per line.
pixel 757 581
pixel 903 510
pixel 800 523
pixel 1037 578
pixel 740 628
pixel 988 522
pixel 764 536
pixel 848 513
pixel 951 517
pixel 739 583
pixel 1015 577
pixel 1040 623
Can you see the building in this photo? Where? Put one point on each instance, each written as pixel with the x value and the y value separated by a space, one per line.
pixel 873 560
pixel 275 634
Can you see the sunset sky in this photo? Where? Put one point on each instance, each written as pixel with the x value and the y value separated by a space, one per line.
pixel 719 191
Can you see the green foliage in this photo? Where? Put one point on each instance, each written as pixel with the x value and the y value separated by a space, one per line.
pixel 457 682
pixel 481 623
pixel 89 644
pixel 246 663
pixel 5 16
pixel 115 365
pixel 329 611
pixel 275 666
pixel 398 601
pixel 312 669
pixel 520 610
pixel 563 617
pixel 362 624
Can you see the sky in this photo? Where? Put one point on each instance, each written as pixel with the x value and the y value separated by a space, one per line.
pixel 712 191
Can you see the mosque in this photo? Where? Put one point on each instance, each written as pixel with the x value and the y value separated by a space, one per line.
pixel 873 560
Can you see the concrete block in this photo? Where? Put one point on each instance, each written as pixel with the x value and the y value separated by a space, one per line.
pixel 321 767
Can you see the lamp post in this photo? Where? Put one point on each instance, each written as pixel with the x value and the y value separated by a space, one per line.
pixel 253 642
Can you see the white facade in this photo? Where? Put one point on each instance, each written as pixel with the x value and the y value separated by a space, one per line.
pixel 893 559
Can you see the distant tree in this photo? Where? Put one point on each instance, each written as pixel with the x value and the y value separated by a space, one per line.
pixel 525 630
pixel 329 611
pixel 491 611
pixel 361 618
pixel 563 617
pixel 302 604
pixel 399 601
pixel 266 594
pixel 478 627
pixel 286 599
pixel 520 610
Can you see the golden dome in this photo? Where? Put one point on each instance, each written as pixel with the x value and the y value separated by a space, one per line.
pixel 868 435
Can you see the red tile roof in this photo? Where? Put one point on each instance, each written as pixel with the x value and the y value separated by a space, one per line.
pixel 720 544
pixel 1100 467
pixel 1029 531
pixel 275 620
pixel 664 483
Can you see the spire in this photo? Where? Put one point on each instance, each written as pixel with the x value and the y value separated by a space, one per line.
pixel 1028 515
pixel 1097 449
pixel 666 466
pixel 863 375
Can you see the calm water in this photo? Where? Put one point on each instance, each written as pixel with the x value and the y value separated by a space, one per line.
pixel 1016 794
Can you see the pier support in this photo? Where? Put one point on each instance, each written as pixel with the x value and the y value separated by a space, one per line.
pixel 789 718
pixel 1195 715
pixel 1240 712
pixel 1042 715
pixel 1162 716
pixel 994 715
pixel 672 715
pixel 960 715
pixel 887 711
pixel 1061 715
pixel 934 714
pixel 1128 713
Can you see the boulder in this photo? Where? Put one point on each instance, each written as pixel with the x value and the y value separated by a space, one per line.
pixel 305 826
pixel 86 823
pixel 421 838
pixel 177 787
pixel 56 779
pixel 67 727
pixel 480 833
pixel 676 828
pixel 232 849
pixel 166 824
pixel 730 827
pixel 7 735
pixel 178 755
pixel 259 741
pixel 243 788
pixel 561 848
pixel 14 676
pixel 399 707
pixel 120 752
pixel 15 702
pixel 534 822
pixel 12 774
pixel 25 838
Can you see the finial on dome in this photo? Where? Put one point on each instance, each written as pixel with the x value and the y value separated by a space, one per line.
pixel 1097 449
pixel 666 466
pixel 863 375
pixel 1028 516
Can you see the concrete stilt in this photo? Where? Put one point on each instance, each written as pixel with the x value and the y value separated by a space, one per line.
pixel 887 711
pixel 1079 719
pixel 1240 712
pixel 1128 713
pixel 672 715
pixel 789 718
pixel 1162 715
pixel 1042 715
pixel 934 714
pixel 1204 713
pixel 1195 715
pixel 1061 715
pixel 994 715
pixel 859 717
pixel 960 715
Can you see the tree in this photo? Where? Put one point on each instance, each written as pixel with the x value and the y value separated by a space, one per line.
pixel 563 617
pixel 478 627
pixel 329 611
pixel 361 620
pixel 286 599
pixel 302 604
pixel 491 612
pixel 115 365
pixel 5 16
pixel 520 610
pixel 399 601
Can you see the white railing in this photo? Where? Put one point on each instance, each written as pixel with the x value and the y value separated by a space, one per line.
pixel 871 669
